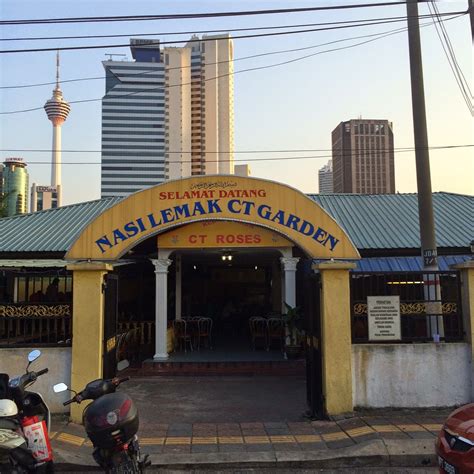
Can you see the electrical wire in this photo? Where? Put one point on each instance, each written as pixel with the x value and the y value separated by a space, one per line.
pixel 188 16
pixel 256 35
pixel 378 36
pixel 451 56
pixel 246 160
pixel 195 32
pixel 144 73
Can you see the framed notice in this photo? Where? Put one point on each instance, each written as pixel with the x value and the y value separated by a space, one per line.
pixel 384 318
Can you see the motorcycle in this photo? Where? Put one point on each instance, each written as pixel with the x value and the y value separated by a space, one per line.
pixel 111 423
pixel 25 421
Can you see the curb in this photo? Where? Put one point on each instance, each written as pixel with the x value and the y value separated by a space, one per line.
pixel 374 453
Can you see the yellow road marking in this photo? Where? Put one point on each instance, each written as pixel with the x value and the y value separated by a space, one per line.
pixel 338 435
pixel 361 431
pixel 433 426
pixel 283 439
pixel 230 439
pixel 204 440
pixel 256 439
pixel 178 440
pixel 52 434
pixel 411 427
pixel 152 441
pixel 70 439
pixel 386 429
pixel 308 438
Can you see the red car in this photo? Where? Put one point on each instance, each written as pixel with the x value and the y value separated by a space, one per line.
pixel 455 443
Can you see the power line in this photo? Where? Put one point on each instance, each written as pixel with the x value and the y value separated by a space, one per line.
pixel 246 160
pixel 205 39
pixel 452 60
pixel 378 36
pixel 144 73
pixel 295 150
pixel 187 16
pixel 227 30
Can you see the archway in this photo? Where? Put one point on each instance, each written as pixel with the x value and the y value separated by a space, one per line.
pixel 172 208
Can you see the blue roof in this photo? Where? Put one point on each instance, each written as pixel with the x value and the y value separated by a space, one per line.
pixel 406 264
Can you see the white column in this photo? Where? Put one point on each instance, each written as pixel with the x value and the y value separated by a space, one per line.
pixel 289 268
pixel 161 307
pixel 178 287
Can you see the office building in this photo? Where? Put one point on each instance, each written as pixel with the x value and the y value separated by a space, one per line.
pixel 57 110
pixel 363 157
pixel 325 179
pixel 164 116
pixel 44 197
pixel 242 170
pixel 15 186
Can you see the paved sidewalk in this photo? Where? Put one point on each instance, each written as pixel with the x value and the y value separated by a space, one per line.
pixel 394 439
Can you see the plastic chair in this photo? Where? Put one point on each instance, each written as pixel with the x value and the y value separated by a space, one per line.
pixel 181 334
pixel 258 331
pixel 276 332
pixel 205 331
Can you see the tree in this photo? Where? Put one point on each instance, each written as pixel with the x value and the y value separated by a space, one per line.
pixel 3 205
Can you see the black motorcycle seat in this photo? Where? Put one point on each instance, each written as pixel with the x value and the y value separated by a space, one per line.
pixel 9 424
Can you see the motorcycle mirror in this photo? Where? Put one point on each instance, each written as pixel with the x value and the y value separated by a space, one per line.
pixel 123 364
pixel 33 355
pixel 60 387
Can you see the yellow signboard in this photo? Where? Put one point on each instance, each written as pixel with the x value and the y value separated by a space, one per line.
pixel 218 234
pixel 263 203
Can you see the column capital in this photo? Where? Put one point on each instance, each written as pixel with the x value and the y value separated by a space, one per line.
pixel 289 263
pixel 161 264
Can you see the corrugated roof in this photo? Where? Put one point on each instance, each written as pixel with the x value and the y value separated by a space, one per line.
pixel 387 221
pixel 383 221
pixel 406 264
pixel 52 230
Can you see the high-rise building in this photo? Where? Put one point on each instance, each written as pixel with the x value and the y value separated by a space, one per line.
pixel 363 157
pixel 242 170
pixel 325 179
pixel 167 114
pixel 15 186
pixel 57 110
pixel 44 197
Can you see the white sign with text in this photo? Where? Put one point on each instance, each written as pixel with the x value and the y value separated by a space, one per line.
pixel 384 318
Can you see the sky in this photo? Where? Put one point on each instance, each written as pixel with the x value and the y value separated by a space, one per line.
pixel 287 107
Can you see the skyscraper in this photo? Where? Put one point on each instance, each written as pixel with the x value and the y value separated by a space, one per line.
pixel 57 110
pixel 363 157
pixel 325 179
pixel 15 186
pixel 168 114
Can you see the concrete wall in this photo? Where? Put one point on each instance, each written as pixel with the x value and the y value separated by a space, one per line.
pixel 411 375
pixel 56 359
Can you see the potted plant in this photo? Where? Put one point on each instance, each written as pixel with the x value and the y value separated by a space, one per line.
pixel 294 331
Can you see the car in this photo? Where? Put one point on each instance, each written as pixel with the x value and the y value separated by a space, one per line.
pixel 455 442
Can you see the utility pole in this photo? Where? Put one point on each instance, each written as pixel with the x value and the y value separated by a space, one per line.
pixel 471 15
pixel 423 175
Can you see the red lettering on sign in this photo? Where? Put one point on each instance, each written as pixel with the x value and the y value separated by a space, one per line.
pixel 220 239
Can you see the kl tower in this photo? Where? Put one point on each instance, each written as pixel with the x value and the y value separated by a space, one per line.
pixel 57 110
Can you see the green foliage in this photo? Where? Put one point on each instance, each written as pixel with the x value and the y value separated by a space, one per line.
pixel 3 205
pixel 294 324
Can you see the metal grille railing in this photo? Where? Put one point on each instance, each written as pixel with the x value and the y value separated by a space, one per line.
pixel 430 304
pixel 38 324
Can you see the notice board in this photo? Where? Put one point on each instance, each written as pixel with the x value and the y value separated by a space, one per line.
pixel 384 318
